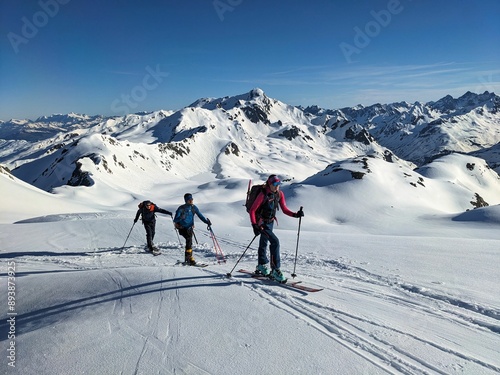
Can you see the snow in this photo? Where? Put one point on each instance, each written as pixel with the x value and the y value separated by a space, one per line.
pixel 409 270
pixel 419 301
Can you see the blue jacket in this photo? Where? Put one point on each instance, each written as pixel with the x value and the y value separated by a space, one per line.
pixel 184 216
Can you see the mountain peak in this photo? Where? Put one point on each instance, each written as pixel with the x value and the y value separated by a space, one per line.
pixel 254 96
pixel 463 104
pixel 256 92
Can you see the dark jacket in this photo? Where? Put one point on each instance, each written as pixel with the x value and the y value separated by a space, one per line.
pixel 148 215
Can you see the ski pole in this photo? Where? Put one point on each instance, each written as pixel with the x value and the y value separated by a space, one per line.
pixel 126 239
pixel 229 274
pixel 194 235
pixel 218 251
pixel 297 247
pixel 176 231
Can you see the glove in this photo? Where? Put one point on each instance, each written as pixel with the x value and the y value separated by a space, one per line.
pixel 299 213
pixel 256 229
pixel 209 223
pixel 135 221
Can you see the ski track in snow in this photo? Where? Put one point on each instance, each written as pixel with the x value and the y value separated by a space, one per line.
pixel 347 329
pixel 375 341
pixel 465 312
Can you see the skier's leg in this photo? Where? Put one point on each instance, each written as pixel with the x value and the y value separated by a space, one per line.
pixel 262 256
pixel 274 247
pixel 149 235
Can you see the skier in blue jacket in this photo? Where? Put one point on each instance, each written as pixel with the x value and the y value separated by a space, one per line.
pixel 184 222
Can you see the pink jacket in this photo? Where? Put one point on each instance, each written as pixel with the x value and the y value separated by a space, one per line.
pixel 260 199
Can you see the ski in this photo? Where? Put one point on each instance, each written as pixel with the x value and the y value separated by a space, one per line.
pixel 201 265
pixel 155 251
pixel 294 284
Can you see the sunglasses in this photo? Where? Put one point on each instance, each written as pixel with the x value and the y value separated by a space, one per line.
pixel 275 181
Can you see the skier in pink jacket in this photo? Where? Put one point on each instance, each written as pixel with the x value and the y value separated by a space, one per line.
pixel 262 216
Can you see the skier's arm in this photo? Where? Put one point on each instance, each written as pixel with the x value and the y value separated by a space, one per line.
pixel 255 206
pixel 283 206
pixel 137 215
pixel 202 218
pixel 162 211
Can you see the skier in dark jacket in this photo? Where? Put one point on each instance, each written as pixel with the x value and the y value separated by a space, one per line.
pixel 147 210
pixel 262 216
pixel 184 222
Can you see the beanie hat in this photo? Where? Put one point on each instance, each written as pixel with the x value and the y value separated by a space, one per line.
pixel 273 180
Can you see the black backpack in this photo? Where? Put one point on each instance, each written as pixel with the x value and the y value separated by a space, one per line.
pixel 263 210
pixel 148 214
pixel 252 194
pixel 142 205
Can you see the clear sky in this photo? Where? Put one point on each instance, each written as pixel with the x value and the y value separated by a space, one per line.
pixel 114 57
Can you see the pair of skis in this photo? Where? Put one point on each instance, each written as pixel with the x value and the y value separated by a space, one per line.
pixel 293 284
pixel 200 265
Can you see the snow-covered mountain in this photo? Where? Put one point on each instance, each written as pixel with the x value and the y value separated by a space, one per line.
pixel 252 135
pixel 421 132
pixel 404 250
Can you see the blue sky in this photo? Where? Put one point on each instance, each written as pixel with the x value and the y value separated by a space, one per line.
pixel 115 57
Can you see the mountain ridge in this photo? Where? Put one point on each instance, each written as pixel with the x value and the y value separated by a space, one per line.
pixel 250 136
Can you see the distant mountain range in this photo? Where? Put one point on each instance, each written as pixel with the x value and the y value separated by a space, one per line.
pixel 248 136
pixel 422 132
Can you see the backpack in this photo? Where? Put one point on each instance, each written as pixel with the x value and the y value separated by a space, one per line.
pixel 181 214
pixel 142 205
pixel 252 194
pixel 185 210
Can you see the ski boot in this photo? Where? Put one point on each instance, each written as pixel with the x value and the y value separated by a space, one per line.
pixel 262 269
pixel 188 258
pixel 278 276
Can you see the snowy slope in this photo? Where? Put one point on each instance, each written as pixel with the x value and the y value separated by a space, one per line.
pixel 407 264
pixel 391 303
pixel 21 201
